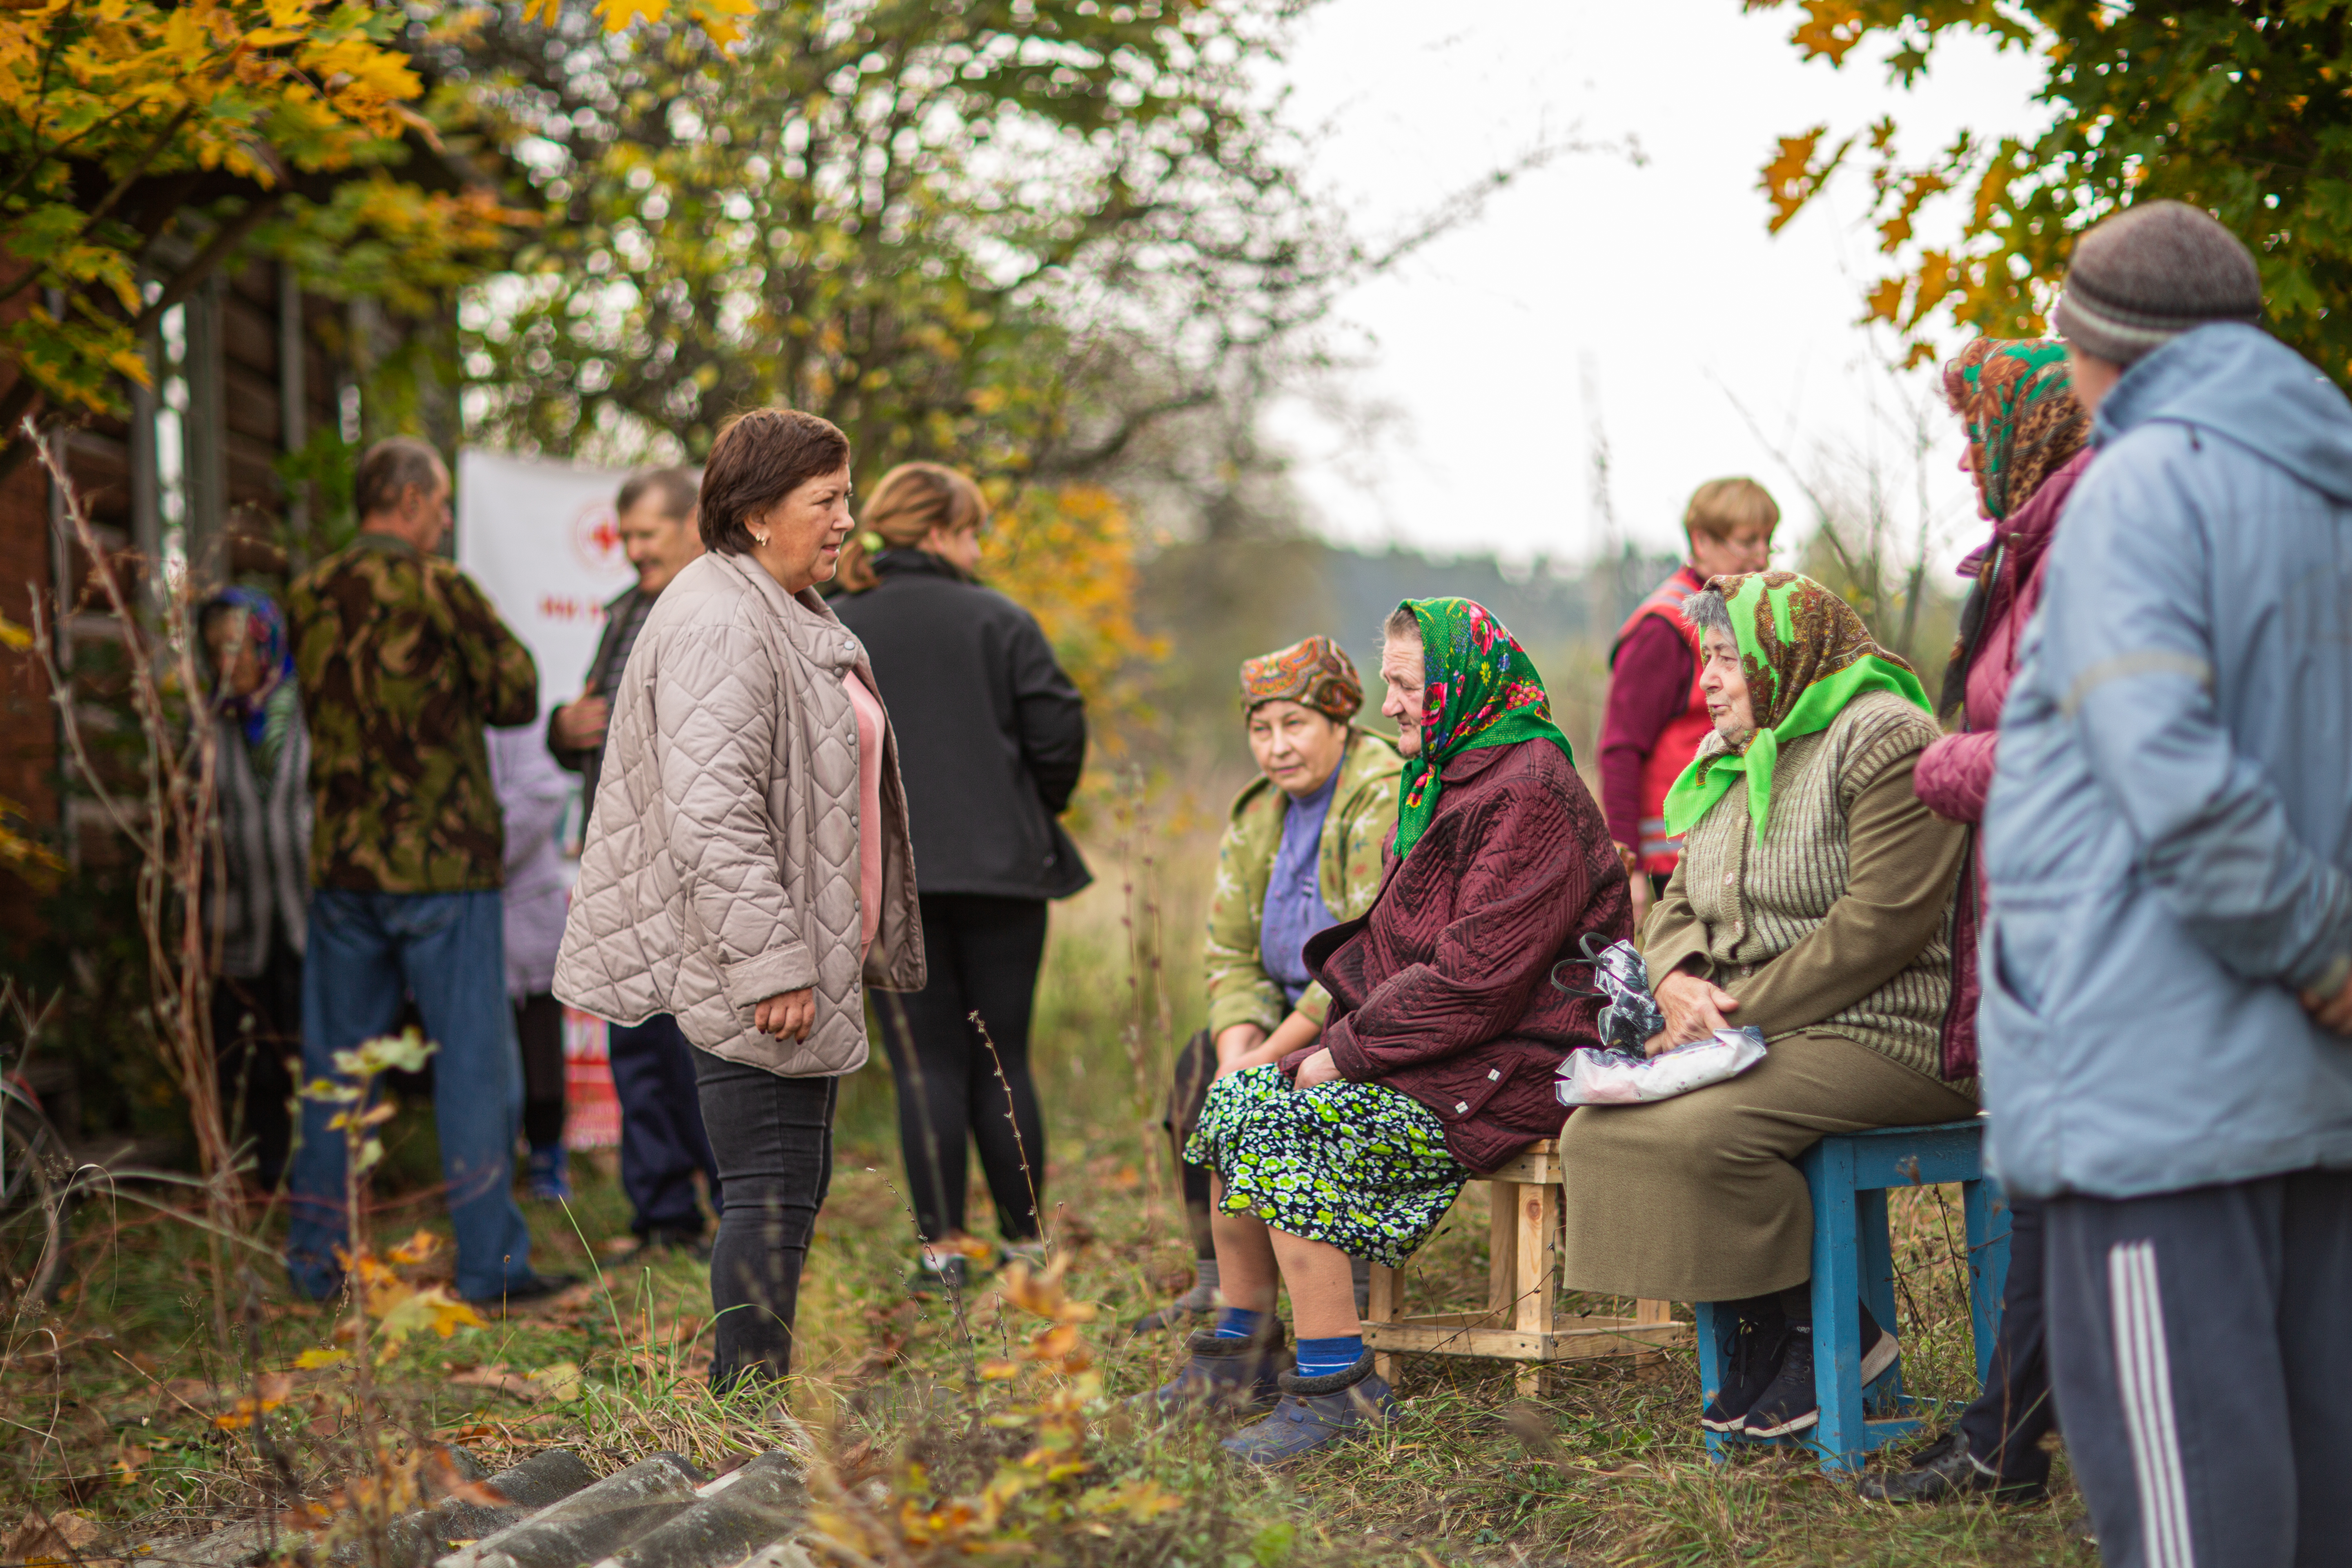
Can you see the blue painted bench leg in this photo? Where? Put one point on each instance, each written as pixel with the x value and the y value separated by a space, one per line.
pixel 1841 1435
pixel 1710 1369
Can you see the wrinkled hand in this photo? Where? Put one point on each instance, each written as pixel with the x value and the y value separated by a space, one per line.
pixel 2333 1012
pixel 1316 1069
pixel 1694 1010
pixel 788 1014
pixel 1238 1047
pixel 580 725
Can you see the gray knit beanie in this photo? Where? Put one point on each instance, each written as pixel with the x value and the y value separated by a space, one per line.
pixel 2148 274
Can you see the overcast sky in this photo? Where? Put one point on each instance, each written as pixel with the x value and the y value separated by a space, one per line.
pixel 1655 286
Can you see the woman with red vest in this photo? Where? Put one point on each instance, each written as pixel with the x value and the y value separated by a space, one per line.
pixel 1656 717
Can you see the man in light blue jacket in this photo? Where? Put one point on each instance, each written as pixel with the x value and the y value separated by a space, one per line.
pixel 2169 961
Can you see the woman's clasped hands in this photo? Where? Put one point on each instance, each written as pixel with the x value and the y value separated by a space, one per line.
pixel 1694 1010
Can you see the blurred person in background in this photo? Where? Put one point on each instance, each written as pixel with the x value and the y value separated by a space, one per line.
pixel 663 1142
pixel 402 664
pixel 2026 447
pixel 1656 715
pixel 748 868
pixel 533 794
pixel 1301 851
pixel 994 736
pixel 261 904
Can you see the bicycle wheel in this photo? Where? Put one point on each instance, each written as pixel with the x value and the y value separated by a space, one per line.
pixel 34 1174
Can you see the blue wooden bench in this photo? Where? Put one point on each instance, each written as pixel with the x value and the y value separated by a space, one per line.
pixel 1853 1260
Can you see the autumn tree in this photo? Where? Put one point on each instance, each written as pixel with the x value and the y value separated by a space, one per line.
pixel 2243 109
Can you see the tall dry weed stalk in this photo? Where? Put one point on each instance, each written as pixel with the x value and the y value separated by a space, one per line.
pixel 165 811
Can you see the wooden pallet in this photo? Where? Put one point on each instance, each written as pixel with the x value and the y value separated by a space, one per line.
pixel 1521 1321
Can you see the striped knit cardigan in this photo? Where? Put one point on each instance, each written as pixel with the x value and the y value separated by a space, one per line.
pixel 1759 897
pixel 265 838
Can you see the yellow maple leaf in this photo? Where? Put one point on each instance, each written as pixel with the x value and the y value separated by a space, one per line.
pixel 311 1360
pixel 619 15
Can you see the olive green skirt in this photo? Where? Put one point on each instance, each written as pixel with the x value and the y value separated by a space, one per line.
pixel 1699 1199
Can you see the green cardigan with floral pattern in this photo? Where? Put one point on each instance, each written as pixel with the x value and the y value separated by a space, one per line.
pixel 1363 811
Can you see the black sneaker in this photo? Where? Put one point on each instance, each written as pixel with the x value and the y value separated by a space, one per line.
pixel 1946 1472
pixel 1879 1348
pixel 1752 1358
pixel 1789 1403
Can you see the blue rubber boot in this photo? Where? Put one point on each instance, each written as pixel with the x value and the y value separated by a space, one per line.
pixel 1315 1413
pixel 1223 1377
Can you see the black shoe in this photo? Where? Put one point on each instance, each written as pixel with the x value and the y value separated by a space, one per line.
pixel 524 1292
pixel 1752 1359
pixel 1200 1301
pixel 1879 1348
pixel 1224 1377
pixel 1787 1403
pixel 663 1238
pixel 1945 1472
pixel 938 1273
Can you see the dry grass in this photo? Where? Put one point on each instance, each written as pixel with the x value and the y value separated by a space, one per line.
pixel 110 1403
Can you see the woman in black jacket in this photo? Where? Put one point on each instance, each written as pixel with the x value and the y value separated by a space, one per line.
pixel 992 738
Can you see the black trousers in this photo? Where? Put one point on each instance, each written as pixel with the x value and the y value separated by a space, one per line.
pixel 2196 1344
pixel 538 1029
pixel 1196 1068
pixel 2006 1424
pixel 256 1029
pixel 663 1143
pixel 774 1139
pixel 983 954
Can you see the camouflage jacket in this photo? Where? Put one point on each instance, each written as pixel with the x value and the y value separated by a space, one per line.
pixel 402 661
pixel 1363 810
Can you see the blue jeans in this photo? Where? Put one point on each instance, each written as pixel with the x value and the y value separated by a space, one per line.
pixel 448 952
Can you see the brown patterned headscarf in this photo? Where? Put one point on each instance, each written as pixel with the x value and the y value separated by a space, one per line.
pixel 1315 673
pixel 2017 400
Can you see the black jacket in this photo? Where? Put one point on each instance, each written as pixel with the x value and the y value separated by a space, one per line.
pixel 603 680
pixel 991 734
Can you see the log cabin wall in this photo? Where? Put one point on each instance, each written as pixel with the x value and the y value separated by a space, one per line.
pixel 248 369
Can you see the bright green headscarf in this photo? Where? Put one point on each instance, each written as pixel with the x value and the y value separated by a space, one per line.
pixel 1482 690
pixel 1807 654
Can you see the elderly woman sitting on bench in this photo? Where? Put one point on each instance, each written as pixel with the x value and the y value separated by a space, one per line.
pixel 1813 901
pixel 1437 1056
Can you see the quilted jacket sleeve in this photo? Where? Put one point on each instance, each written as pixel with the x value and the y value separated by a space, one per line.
pixel 715 742
pixel 1240 989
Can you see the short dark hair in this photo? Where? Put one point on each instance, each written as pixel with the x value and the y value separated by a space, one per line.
pixel 674 488
pixel 388 468
pixel 761 457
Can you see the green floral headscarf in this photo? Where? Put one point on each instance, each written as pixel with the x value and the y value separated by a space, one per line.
pixel 1482 690
pixel 1806 654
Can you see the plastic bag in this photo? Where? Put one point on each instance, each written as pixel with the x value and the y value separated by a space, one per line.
pixel 1623 979
pixel 1590 1077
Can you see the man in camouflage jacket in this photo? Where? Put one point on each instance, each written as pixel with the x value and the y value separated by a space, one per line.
pixel 1260 998
pixel 402 661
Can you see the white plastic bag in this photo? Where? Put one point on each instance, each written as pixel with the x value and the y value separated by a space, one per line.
pixel 1590 1077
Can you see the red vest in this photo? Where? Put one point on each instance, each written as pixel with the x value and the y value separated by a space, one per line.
pixel 1678 741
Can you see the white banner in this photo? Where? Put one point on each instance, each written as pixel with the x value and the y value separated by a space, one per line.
pixel 541 539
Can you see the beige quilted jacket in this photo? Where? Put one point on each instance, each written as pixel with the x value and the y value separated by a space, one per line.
pixel 721 862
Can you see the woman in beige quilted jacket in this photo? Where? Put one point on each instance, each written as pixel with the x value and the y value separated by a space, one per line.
pixel 748 866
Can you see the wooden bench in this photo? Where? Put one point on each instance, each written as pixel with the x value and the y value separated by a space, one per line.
pixel 1522 1322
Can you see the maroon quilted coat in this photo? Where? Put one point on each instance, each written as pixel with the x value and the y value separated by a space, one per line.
pixel 1443 990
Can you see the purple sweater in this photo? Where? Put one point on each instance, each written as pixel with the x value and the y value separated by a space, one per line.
pixel 1443 989
pixel 1953 774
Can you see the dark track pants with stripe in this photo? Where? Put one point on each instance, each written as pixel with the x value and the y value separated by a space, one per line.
pixel 2202 1351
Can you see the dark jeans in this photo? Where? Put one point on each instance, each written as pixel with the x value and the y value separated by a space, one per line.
pixel 2007 1422
pixel 983 954
pixel 773 1138
pixel 256 1026
pixel 654 1075
pixel 1196 1068
pixel 2198 1343
pixel 538 1029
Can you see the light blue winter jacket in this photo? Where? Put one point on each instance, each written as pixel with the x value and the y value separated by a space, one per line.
pixel 2170 831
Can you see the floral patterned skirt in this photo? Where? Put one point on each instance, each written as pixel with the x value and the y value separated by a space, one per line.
pixel 1358 1165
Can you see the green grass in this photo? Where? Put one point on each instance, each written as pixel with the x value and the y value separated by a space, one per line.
pixel 109 1403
